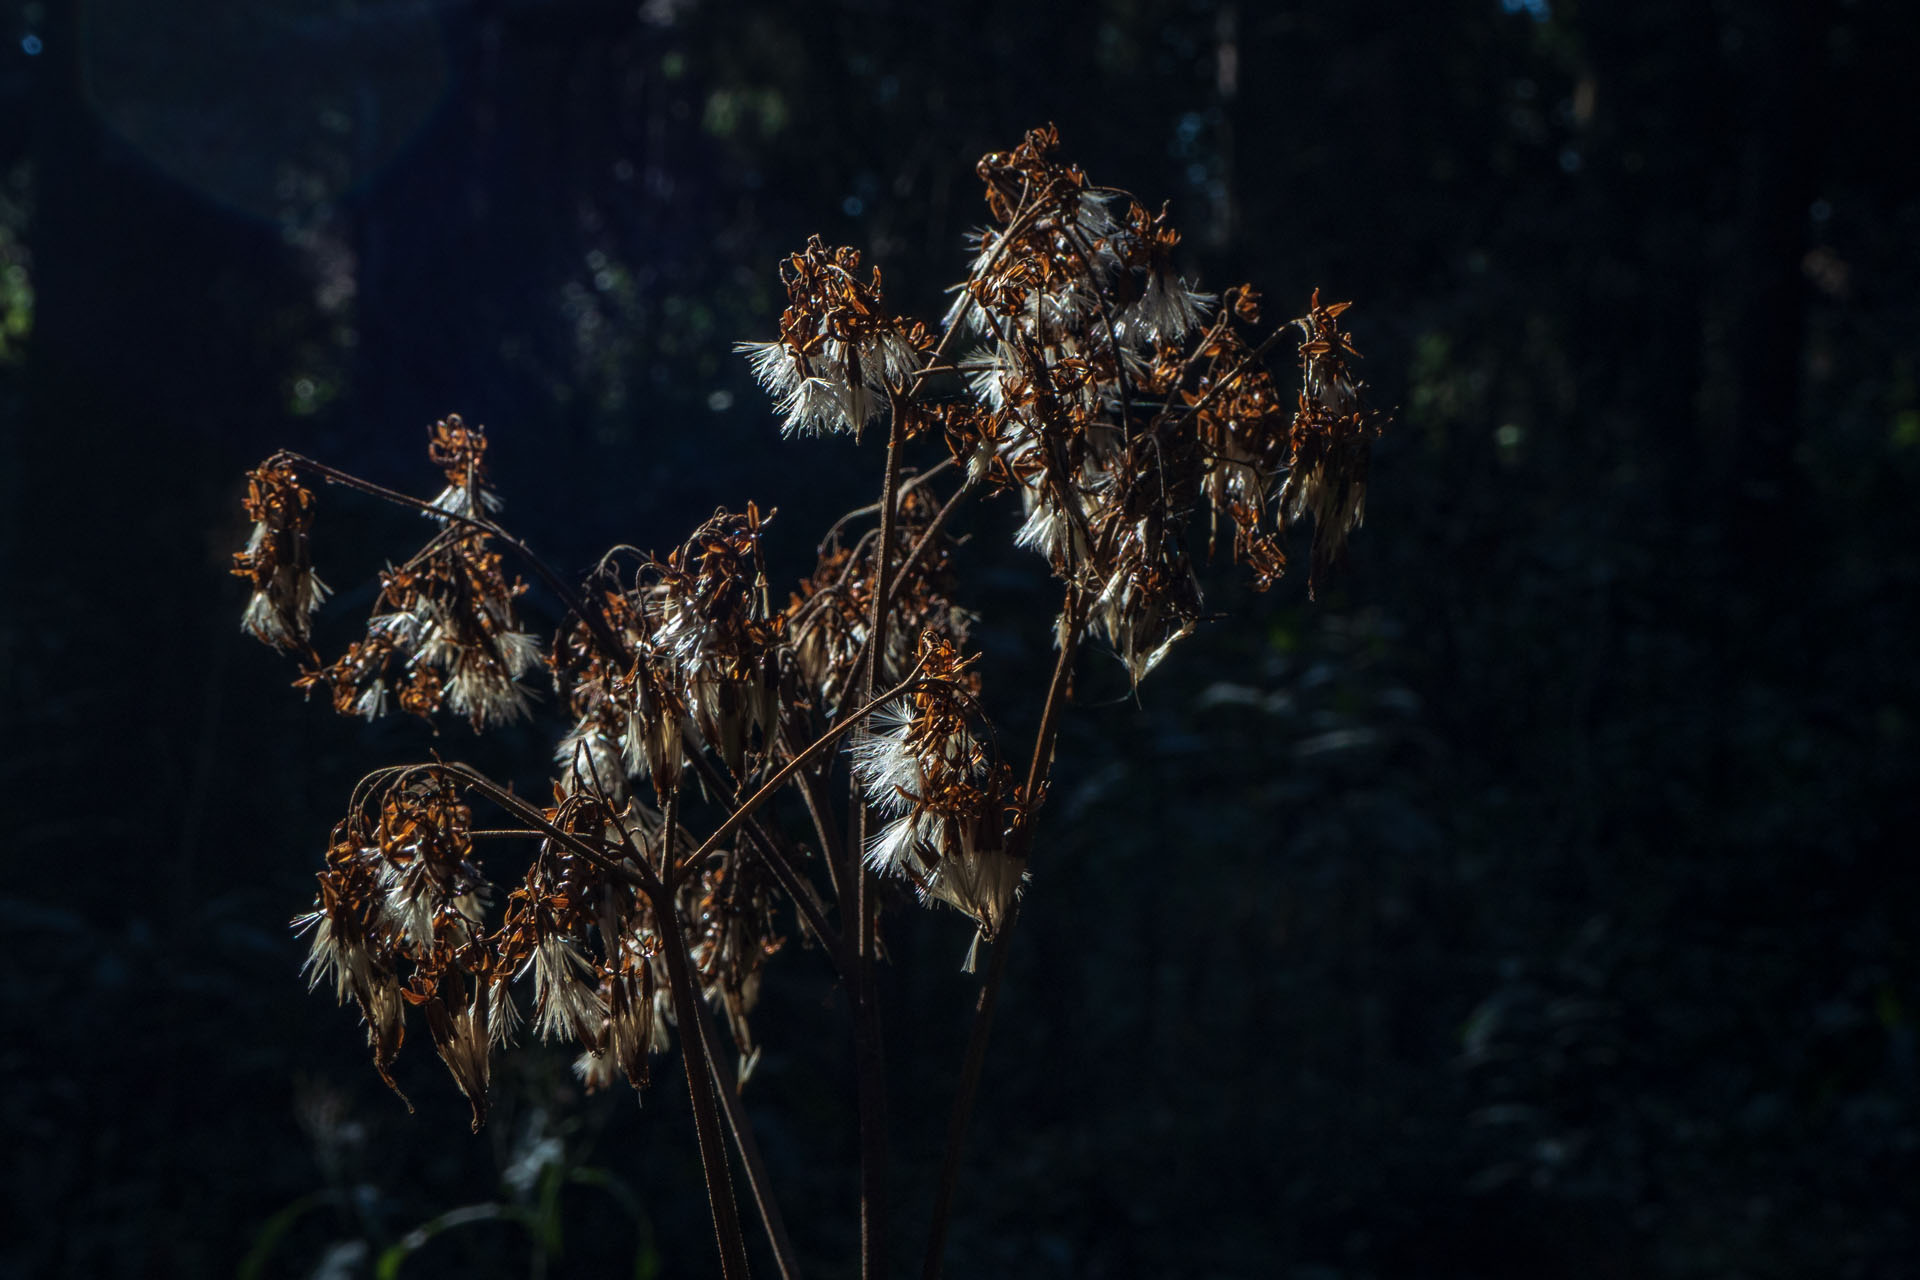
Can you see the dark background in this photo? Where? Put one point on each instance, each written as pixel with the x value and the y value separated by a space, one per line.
pixel 1539 902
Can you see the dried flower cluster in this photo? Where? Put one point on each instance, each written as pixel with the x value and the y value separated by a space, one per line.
pixel 839 354
pixel 948 803
pixel 1118 403
pixel 278 559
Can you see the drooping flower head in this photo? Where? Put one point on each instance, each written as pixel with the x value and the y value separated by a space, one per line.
pixel 840 352
pixel 278 560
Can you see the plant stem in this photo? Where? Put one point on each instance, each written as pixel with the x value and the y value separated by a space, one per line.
pixel 1021 844
pixel 919 549
pixel 970 1070
pixel 832 849
pixel 889 498
pixel 728 1087
pixel 869 1060
pixel 693 1052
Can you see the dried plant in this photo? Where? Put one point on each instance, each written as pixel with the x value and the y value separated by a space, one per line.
pixel 1076 370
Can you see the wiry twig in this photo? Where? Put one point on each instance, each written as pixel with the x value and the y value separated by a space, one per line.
pixel 869 1064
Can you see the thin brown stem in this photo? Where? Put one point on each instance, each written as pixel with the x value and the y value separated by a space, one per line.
pixel 726 1083
pixel 907 486
pixel 970 1070
pixel 1073 620
pixel 1085 254
pixel 806 899
pixel 1021 845
pixel 693 1051
pixel 1024 215
pixel 919 549
pixel 832 849
pixel 869 1060
pixel 637 874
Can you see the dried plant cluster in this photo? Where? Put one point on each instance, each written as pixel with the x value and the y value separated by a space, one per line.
pixel 1076 370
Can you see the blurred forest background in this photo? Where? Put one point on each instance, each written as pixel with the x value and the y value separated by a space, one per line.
pixel 1539 902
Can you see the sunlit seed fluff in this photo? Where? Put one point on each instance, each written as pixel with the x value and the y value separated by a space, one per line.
pixel 818 406
pixel 1335 393
pixel 519 651
pixel 1093 216
pixel 634 1028
pixel 594 1068
pixel 402 629
pixel 1167 310
pixel 775 366
pixel 461 1037
pixel 503 1019
pixel 566 1005
pixel 683 634
pixel 980 883
pixel 811 404
pixel 884 761
pixel 1145 666
pixel 458 500
pixel 346 966
pixel 1046 530
pixel 278 613
pixel 654 744
pixel 965 311
pixel 980 460
pixel 480 689
pixel 993 376
pixel 894 357
pixel 819 395
pixel 372 702
pixel 895 849
pixel 748 1061
pixel 354 975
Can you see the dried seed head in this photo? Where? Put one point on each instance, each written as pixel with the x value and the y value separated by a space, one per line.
pixel 1332 434
pixel 839 352
pixel 461 452
pixel 278 560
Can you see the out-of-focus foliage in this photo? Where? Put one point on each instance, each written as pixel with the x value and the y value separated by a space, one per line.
pixel 1536 903
pixel 16 266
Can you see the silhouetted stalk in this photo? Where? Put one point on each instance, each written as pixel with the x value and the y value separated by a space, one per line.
pixel 693 1050
pixel 726 1083
pixel 869 1060
pixel 974 1063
